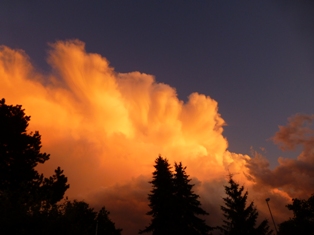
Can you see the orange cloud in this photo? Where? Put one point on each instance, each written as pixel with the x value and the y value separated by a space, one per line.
pixel 105 129
pixel 95 118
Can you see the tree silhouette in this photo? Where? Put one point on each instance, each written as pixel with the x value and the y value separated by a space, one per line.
pixel 28 200
pixel 174 206
pixel 23 191
pixel 239 219
pixel 303 218
pixel 19 150
pixel 77 218
pixel 188 207
pixel 104 225
pixel 161 200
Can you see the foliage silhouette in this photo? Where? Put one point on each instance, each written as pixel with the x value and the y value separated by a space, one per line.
pixel 188 207
pixel 104 225
pixel 303 218
pixel 23 191
pixel 174 206
pixel 29 202
pixel 161 200
pixel 78 218
pixel 239 219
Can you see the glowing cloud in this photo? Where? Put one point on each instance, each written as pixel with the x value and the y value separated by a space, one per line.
pixel 105 130
pixel 92 117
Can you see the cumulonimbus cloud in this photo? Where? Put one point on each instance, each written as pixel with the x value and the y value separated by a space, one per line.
pixel 106 128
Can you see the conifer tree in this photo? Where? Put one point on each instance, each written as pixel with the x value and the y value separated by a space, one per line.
pixel 188 206
pixel 161 200
pixel 239 219
pixel 174 206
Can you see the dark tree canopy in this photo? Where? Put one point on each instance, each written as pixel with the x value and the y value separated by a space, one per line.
pixel 74 217
pixel 29 202
pixel 188 206
pixel 302 221
pixel 23 191
pixel 77 218
pixel 239 218
pixel 19 150
pixel 104 225
pixel 161 200
pixel 174 206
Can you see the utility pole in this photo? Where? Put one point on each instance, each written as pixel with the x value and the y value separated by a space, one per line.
pixel 96 227
pixel 267 200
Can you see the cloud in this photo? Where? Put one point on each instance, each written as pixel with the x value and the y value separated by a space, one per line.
pixel 293 176
pixel 127 203
pixel 100 124
pixel 106 128
pixel 299 131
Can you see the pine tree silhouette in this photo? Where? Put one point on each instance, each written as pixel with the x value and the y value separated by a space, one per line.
pixel 239 219
pixel 174 206
pixel 188 206
pixel 161 200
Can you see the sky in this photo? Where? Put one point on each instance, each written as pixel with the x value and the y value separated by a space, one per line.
pixel 221 86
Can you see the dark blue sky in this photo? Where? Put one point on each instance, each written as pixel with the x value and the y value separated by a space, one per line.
pixel 256 58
